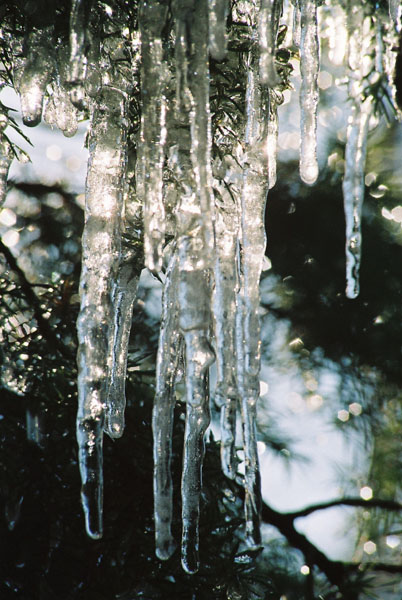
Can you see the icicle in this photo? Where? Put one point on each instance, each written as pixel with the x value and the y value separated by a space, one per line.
pixel 169 351
pixel 272 138
pixel 6 157
pixel 359 47
pixel 36 75
pixel 254 193
pixel 309 65
pixel 79 48
pixel 395 12
pixel 101 253
pixel 217 13
pixel 195 244
pixel 268 29
pixel 192 76
pixel 224 306
pixel 124 295
pixel 153 129
pixel 296 23
pixel 65 113
pixel 353 190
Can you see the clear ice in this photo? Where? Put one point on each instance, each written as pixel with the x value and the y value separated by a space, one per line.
pixel 309 66
pixel 200 202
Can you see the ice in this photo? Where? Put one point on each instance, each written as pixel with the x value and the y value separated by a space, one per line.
pixel 353 191
pixel 124 295
pixel 268 29
pixel 79 48
pixel 272 138
pixel 36 74
pixel 359 47
pixel 217 13
pixel 6 158
pixel 309 65
pixel 224 307
pixel 169 352
pixel 153 130
pixel 253 199
pixel 101 246
pixel 296 23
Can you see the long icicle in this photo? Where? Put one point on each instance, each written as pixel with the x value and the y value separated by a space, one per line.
pixel 309 66
pixel 356 146
pixel 194 243
pixel 224 307
pixel 152 17
pixel 252 248
pixel 169 352
pixel 101 253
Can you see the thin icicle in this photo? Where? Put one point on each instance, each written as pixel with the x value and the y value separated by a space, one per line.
pixel 224 307
pixel 272 138
pixel 309 66
pixel 195 244
pixel 359 48
pixel 269 15
pixel 217 13
pixel 101 253
pixel 6 157
pixel 152 18
pixel 253 198
pixel 353 190
pixel 123 300
pixel 296 29
pixel 169 351
pixel 36 74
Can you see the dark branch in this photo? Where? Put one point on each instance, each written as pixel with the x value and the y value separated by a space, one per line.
pixel 357 502
pixel 337 572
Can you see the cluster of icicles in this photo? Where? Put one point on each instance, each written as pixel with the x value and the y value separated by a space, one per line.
pixel 203 223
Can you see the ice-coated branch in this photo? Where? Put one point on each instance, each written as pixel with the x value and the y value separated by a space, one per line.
pixel 309 66
pixel 101 246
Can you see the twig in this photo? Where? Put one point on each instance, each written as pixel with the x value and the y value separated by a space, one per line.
pixel 358 502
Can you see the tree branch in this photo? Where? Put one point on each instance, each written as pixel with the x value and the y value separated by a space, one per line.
pixel 337 572
pixel 357 502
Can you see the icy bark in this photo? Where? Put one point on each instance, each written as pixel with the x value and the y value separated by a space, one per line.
pixel 268 29
pixel 101 252
pixel 253 198
pixel 217 13
pixel 169 351
pixel 309 66
pixel 37 72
